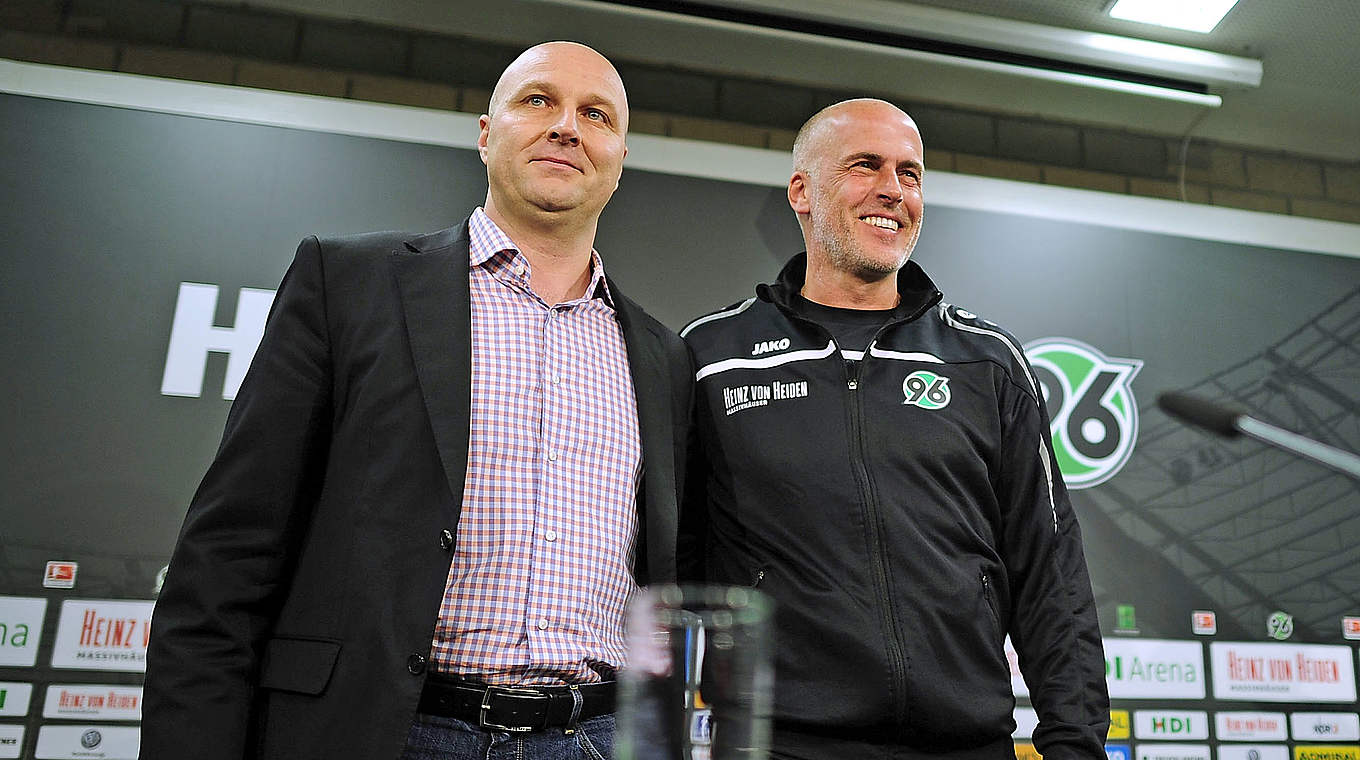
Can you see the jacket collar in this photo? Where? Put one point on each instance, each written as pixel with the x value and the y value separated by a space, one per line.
pixel 914 286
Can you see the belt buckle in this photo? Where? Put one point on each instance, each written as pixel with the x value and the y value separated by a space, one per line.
pixel 510 690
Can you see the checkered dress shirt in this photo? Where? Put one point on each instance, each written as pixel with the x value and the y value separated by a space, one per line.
pixel 543 567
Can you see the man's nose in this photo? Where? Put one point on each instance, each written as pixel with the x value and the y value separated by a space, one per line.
pixel 890 186
pixel 565 129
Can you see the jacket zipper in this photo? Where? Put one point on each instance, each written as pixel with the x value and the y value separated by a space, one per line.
pixel 896 659
pixel 879 565
pixel 760 576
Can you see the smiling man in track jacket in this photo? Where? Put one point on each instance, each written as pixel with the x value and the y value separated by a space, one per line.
pixel 878 461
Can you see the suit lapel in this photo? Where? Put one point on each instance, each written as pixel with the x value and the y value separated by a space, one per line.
pixel 432 278
pixel 652 387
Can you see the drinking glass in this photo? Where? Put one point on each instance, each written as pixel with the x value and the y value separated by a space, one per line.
pixel 699 679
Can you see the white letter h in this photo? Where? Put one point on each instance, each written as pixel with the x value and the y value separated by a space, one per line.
pixel 193 335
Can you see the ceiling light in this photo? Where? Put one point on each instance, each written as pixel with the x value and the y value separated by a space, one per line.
pixel 1192 15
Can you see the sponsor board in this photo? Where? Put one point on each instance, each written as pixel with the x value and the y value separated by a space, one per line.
pixel 102 634
pixel 1120 725
pixel 1171 724
pixel 1253 752
pixel 1324 727
pixel 1265 672
pixel 60 575
pixel 21 619
pixel 1326 752
pixel 1350 628
pixel 1171 752
pixel 93 702
pixel 14 698
pixel 1026 720
pixel 1026 751
pixel 11 741
pixel 1118 752
pixel 1154 669
pixel 87 741
pixel 1251 726
pixel 1018 686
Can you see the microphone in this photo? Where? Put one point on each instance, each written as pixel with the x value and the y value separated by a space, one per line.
pixel 1231 422
pixel 1216 418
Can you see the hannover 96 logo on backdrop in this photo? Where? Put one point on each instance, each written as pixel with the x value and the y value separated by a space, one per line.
pixel 1094 417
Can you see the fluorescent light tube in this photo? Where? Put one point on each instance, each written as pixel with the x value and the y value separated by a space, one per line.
pixel 1192 15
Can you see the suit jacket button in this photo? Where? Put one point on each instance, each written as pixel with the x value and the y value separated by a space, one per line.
pixel 446 539
pixel 415 664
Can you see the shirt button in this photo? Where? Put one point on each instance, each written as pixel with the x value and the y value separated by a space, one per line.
pixel 542 624
pixel 552 455
pixel 519 269
pixel 415 664
pixel 446 539
pixel 556 378
pixel 550 535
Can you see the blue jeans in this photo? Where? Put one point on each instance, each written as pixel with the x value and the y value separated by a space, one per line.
pixel 436 738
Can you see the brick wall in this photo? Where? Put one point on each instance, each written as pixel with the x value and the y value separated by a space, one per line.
pixel 242 46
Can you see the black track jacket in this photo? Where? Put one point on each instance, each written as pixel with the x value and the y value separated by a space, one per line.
pixel 905 512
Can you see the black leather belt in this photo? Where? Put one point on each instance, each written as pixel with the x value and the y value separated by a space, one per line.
pixel 516 708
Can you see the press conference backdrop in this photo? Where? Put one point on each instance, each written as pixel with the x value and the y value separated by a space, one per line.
pixel 140 251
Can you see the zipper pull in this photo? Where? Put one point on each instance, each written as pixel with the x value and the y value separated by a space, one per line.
pixel 852 383
pixel 760 576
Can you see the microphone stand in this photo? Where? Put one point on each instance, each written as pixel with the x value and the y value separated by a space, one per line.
pixel 1329 456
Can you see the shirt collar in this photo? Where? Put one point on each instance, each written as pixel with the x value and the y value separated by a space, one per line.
pixel 489 246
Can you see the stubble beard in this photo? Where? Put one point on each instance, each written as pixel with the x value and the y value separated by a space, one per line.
pixel 845 253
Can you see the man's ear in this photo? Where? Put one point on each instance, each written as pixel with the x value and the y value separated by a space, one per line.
pixel 485 123
pixel 798 194
pixel 620 179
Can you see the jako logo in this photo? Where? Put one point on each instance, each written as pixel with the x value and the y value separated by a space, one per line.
pixel 766 346
pixel 1094 417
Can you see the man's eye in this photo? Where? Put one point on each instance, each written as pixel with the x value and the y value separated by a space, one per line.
pixel 596 115
pixel 537 100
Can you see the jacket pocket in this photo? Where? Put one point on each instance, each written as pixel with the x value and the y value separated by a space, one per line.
pixel 303 666
pixel 998 631
pixel 993 614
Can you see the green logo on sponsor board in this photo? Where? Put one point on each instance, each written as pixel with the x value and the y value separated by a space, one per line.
pixel 1093 417
pixel 1124 617
pixel 1280 625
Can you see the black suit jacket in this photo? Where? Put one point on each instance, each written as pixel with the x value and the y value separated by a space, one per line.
pixel 302 596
